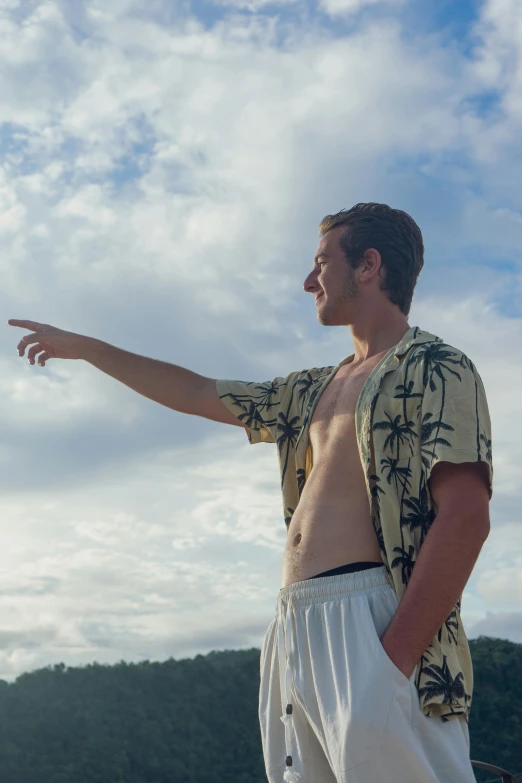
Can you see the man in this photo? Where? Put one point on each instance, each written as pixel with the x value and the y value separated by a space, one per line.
pixel 386 469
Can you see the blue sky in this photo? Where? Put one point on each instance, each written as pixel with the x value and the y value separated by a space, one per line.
pixel 164 168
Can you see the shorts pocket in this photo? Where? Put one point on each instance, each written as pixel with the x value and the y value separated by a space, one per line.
pixel 375 625
pixel 347 692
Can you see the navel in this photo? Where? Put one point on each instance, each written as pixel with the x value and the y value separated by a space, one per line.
pixel 297 539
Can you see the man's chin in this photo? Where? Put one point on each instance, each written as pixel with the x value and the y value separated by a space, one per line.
pixel 326 318
pixel 324 314
pixel 323 319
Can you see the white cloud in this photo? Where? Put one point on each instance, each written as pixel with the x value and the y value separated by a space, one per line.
pixel 338 7
pixel 241 500
pixel 498 56
pixel 255 5
pixel 12 212
pixel 226 153
pixel 71 393
pixel 111 572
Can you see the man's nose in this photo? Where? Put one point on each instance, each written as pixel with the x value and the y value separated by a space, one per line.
pixel 309 283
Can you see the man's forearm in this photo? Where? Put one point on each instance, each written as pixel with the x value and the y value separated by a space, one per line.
pixel 443 567
pixel 162 382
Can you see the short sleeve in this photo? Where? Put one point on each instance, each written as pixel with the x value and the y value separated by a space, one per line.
pixel 455 425
pixel 256 406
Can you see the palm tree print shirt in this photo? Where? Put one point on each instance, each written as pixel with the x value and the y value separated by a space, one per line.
pixel 423 403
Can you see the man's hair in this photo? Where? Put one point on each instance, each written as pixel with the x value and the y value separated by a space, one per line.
pixel 390 231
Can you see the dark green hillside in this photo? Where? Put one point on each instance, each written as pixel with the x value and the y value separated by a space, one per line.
pixel 496 713
pixel 195 721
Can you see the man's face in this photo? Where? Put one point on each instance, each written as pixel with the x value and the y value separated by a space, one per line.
pixel 332 281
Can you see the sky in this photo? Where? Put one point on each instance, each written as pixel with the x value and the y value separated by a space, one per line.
pixel 164 167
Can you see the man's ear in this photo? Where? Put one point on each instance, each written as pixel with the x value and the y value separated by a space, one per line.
pixel 371 263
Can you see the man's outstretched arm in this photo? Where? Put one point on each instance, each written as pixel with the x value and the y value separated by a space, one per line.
pixel 182 390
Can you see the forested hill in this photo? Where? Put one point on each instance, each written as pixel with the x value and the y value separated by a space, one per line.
pixel 195 720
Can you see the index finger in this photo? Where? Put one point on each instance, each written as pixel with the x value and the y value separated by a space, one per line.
pixel 32 325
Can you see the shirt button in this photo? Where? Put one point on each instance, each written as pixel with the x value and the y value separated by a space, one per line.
pixel 289 709
pixel 289 761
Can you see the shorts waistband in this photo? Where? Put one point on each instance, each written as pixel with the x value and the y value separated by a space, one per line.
pixel 325 588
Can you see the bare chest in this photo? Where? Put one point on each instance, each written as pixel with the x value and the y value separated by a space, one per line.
pixel 334 414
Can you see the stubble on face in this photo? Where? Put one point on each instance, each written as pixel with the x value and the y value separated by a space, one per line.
pixel 333 311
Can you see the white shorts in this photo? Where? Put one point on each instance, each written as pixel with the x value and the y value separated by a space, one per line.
pixel 354 716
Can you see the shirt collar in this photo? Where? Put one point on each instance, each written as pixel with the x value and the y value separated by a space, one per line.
pixel 414 336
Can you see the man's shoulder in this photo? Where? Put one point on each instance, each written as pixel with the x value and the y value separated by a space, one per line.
pixel 427 364
pixel 434 354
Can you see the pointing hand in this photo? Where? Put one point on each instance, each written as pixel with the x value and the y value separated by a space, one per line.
pixel 48 342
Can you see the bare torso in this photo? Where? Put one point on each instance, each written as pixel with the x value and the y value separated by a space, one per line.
pixel 332 524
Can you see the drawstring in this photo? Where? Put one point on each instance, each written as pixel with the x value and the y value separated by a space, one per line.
pixel 286 663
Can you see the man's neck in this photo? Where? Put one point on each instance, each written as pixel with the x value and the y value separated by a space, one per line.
pixel 378 341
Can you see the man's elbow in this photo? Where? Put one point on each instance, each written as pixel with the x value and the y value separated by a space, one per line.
pixel 486 525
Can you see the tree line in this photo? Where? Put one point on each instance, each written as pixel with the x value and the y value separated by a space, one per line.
pixel 195 720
